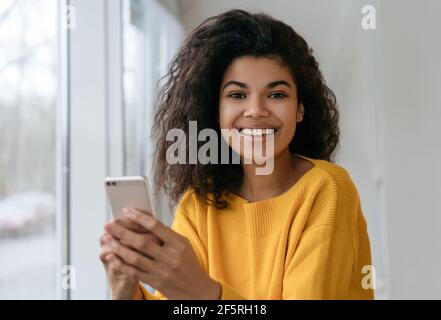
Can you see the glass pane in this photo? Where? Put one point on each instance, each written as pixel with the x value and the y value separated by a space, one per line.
pixel 28 80
pixel 133 41
pixel 151 36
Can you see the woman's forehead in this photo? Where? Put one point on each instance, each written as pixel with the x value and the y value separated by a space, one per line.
pixel 257 70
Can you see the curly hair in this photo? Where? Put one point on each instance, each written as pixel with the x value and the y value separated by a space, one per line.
pixel 191 93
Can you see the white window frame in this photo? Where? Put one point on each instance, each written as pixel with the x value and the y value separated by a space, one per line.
pixel 90 95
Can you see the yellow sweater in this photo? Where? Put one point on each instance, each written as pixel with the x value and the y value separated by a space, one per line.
pixel 310 242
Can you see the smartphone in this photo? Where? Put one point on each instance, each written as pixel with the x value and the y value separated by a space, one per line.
pixel 124 192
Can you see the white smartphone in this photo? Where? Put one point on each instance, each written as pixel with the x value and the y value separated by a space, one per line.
pixel 124 192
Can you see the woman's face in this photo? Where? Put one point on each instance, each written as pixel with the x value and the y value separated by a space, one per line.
pixel 259 93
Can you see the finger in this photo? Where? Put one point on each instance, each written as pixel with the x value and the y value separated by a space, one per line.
pixel 114 262
pixel 104 253
pixel 138 210
pixel 118 265
pixel 131 225
pixel 149 246
pixel 134 258
pixel 121 233
pixel 105 250
pixel 152 247
pixel 154 225
pixel 105 237
pixel 143 243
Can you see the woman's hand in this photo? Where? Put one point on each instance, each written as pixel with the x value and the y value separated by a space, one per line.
pixel 122 285
pixel 170 267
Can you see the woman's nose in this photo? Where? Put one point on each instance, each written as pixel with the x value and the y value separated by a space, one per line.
pixel 256 108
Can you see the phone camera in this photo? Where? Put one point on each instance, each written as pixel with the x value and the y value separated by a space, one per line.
pixel 114 183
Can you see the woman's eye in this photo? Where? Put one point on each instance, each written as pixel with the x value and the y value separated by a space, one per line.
pixel 277 95
pixel 237 95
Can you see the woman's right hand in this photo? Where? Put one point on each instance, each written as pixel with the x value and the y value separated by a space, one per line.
pixel 123 286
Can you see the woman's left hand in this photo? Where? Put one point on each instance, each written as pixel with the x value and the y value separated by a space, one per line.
pixel 172 268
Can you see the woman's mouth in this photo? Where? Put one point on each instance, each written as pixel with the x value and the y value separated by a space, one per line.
pixel 257 131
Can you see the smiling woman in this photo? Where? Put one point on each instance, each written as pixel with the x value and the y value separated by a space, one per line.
pixel 295 233
pixel 245 62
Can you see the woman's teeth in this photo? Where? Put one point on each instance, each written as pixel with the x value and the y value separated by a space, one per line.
pixel 256 132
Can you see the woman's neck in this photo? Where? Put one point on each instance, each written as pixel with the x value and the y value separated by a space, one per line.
pixel 260 187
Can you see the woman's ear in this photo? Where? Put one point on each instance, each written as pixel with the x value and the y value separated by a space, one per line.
pixel 300 112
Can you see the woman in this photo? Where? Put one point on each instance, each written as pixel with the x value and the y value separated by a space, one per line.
pixel 297 232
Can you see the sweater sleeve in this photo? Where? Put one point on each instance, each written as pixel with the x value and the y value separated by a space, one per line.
pixel 324 261
pixel 321 267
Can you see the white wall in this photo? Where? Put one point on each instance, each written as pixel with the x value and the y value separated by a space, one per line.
pixel 411 53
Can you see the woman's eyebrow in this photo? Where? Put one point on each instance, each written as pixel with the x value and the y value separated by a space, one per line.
pixel 269 85
pixel 237 83
pixel 277 83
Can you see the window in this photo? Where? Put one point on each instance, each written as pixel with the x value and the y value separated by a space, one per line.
pixel 151 36
pixel 28 78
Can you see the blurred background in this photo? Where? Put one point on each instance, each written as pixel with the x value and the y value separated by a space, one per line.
pixel 78 80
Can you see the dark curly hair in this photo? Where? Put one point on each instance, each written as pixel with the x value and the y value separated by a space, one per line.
pixel 191 92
